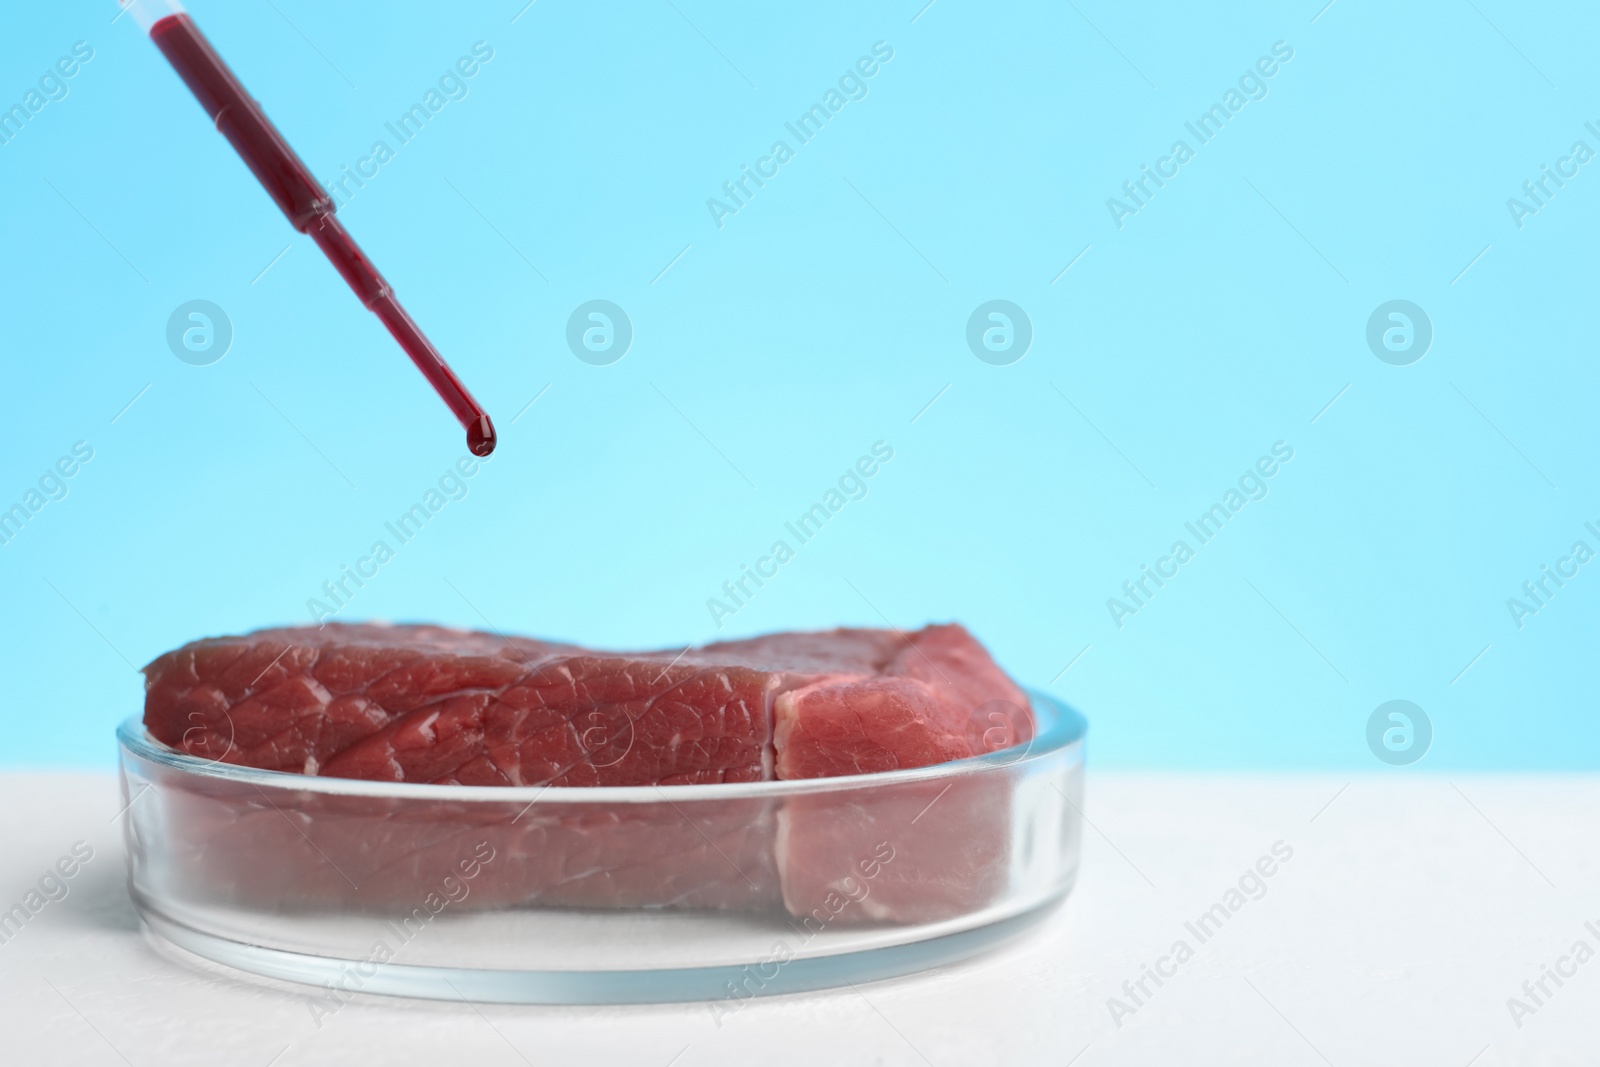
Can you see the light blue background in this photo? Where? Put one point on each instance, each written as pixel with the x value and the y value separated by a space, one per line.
pixel 823 317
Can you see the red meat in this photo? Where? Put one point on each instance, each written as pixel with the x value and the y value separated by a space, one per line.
pixel 425 704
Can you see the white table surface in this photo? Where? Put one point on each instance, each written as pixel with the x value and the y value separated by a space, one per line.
pixel 1412 908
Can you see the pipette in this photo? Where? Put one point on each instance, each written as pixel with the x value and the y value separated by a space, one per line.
pixel 309 208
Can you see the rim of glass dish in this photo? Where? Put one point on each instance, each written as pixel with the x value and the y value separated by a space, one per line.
pixel 1063 727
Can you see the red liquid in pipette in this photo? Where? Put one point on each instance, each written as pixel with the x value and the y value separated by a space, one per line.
pixel 309 208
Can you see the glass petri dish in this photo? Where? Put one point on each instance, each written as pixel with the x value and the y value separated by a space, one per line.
pixel 601 895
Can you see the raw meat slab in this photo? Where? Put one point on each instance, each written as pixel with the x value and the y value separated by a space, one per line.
pixel 426 704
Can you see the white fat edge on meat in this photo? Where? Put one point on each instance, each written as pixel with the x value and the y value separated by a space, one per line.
pixel 875 909
pixel 778 686
pixel 780 855
pixel 324 699
pixel 789 685
pixel 318 690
